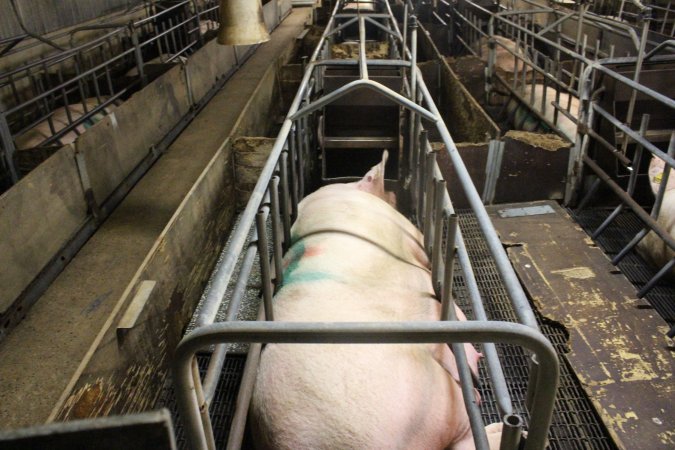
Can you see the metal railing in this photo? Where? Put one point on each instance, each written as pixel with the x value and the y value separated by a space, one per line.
pixel 276 196
pixel 609 125
pixel 83 80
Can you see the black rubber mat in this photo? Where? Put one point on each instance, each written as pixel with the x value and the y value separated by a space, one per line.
pixel 222 408
pixel 575 424
pixel 638 272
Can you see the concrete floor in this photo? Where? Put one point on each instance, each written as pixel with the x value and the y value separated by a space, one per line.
pixel 40 356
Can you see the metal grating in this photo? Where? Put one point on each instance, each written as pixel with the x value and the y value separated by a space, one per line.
pixel 576 424
pixel 638 272
pixel 222 408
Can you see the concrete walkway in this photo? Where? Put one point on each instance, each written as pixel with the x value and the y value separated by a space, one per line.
pixel 42 353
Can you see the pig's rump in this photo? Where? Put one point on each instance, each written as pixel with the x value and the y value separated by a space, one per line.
pixel 354 258
pixel 360 396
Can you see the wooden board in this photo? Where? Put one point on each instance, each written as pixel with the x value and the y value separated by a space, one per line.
pixel 618 346
pixel 37 218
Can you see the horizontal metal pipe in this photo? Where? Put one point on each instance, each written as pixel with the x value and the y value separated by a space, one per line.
pixel 362 333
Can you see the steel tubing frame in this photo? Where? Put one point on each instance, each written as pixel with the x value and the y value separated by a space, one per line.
pixel 363 333
pixel 590 110
pixel 287 149
pixel 99 71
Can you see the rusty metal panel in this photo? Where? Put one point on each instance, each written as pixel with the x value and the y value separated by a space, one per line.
pixel 618 346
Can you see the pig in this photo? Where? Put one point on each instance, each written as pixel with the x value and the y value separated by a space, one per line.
pixel 42 131
pixel 504 60
pixel 355 258
pixel 522 119
pixel 652 248
pixel 207 25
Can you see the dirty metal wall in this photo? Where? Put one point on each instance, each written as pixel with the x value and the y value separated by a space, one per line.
pixel 43 16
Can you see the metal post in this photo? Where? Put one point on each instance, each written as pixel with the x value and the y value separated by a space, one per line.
pixel 264 264
pixel 276 231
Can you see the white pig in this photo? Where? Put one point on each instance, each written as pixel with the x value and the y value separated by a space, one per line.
pixel 652 247
pixel 355 258
pixel 504 59
pixel 42 131
pixel 524 120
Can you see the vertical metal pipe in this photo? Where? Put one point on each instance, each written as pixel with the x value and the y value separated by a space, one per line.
pixel 293 180
pixel 244 395
pixel 512 432
pixel 428 200
pixel 299 155
pixel 203 406
pixel 636 76
pixel 422 178
pixel 413 59
pixel 8 147
pixel 277 234
pixel 285 207
pixel 635 169
pixel 532 382
pixel 447 305
pixel 405 32
pixel 437 250
pixel 264 265
pixel 363 65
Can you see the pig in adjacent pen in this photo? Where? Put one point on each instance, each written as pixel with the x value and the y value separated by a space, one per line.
pixel 58 120
pixel 652 247
pixel 355 258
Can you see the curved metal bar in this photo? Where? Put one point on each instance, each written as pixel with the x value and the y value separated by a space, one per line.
pixel 369 84
pixel 363 333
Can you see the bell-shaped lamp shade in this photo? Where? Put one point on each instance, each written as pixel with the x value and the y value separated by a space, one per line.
pixel 242 23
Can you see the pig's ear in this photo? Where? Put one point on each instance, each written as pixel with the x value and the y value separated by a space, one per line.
pixel 373 181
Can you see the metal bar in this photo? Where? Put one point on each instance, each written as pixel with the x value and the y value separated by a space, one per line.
pixel 632 204
pixel 436 249
pixel 447 304
pixel 204 409
pixel 244 395
pixel 369 84
pixel 634 135
pixel 277 233
pixel 494 368
pixel 430 162
pixel 369 332
pixel 363 65
pixel 219 353
pixel 285 199
pixel 519 301
pixel 655 279
pixel 635 169
pixel 238 237
pixel 512 432
pixel 266 280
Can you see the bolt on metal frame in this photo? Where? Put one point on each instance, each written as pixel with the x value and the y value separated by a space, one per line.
pixel 29 93
pixel 589 64
pixel 277 193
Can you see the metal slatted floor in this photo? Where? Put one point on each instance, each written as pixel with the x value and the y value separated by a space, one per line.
pixel 638 272
pixel 575 422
